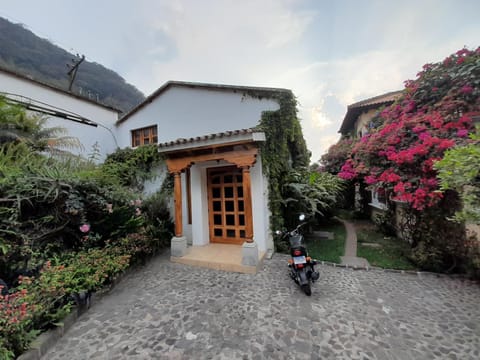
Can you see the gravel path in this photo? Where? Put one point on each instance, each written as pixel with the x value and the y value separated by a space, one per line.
pixel 173 311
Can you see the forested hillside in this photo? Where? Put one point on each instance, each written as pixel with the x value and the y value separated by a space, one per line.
pixel 25 53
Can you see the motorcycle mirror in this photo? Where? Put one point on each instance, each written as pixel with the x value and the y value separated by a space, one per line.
pixel 301 217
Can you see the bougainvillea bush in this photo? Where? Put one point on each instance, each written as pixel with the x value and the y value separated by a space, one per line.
pixel 337 154
pixel 435 113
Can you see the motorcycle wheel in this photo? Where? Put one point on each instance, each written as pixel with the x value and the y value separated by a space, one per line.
pixel 306 289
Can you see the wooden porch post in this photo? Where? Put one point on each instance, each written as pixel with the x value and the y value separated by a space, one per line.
pixel 247 198
pixel 177 189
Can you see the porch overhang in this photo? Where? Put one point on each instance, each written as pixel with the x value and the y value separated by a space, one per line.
pixel 228 138
pixel 235 147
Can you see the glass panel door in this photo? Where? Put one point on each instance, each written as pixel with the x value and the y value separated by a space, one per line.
pixel 225 205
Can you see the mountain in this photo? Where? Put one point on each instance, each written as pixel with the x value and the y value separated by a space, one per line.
pixel 25 53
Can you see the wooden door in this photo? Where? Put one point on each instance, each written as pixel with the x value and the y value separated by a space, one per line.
pixel 226 205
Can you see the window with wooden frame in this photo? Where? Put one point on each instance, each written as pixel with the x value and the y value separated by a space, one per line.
pixel 144 136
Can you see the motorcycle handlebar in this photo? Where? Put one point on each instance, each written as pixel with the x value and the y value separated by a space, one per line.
pixel 293 232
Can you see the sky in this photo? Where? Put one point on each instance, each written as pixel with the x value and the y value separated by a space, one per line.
pixel 330 53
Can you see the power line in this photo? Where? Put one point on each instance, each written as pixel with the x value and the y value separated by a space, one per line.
pixel 48 109
pixel 54 111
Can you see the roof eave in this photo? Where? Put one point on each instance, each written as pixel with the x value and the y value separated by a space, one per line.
pixel 213 140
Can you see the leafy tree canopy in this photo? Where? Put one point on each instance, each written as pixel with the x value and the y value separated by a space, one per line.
pixel 459 170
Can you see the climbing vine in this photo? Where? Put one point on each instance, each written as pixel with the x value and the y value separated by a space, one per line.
pixel 284 149
pixel 133 166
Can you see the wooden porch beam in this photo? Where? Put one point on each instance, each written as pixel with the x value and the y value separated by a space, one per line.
pixel 247 198
pixel 241 158
pixel 177 189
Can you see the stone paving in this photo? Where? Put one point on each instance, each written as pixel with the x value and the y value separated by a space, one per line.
pixel 173 311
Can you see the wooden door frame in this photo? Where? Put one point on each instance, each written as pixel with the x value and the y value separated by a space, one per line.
pixel 237 240
pixel 243 157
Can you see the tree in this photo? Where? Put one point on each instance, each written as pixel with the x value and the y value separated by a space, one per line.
pixel 336 155
pixel 459 170
pixel 311 193
pixel 17 126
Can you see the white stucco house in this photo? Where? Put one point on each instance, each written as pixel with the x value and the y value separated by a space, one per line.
pixel 208 135
pixel 206 132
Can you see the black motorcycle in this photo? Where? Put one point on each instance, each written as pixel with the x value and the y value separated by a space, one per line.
pixel 302 269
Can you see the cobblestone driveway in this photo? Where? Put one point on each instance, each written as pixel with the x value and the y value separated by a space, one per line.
pixel 172 311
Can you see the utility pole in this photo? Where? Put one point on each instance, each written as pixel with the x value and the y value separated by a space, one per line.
pixel 73 70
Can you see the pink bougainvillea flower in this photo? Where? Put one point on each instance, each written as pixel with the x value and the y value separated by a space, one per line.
pixel 445 144
pixel 370 179
pixel 462 132
pixel 85 228
pixel 466 89
pixel 463 52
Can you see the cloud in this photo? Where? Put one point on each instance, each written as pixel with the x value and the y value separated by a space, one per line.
pixel 320 120
pixel 330 54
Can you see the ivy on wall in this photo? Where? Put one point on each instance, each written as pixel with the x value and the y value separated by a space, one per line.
pixel 284 149
pixel 133 166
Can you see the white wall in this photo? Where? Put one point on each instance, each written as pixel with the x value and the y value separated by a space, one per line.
pixel 88 135
pixel 363 120
pixel 198 232
pixel 261 223
pixel 181 112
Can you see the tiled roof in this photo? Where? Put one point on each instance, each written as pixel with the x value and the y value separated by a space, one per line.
pixel 355 109
pixel 217 138
pixel 195 85
pixel 389 97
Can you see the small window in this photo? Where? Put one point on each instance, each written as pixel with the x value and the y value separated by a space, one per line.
pixel 144 136
pixel 379 198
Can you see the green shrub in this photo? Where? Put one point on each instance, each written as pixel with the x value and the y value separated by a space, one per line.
pixel 158 221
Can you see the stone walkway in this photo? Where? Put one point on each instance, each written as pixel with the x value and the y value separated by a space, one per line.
pixel 173 311
pixel 350 258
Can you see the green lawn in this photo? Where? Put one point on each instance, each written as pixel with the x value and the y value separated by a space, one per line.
pixel 324 249
pixel 382 251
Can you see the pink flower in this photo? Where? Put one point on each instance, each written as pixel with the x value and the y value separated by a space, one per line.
pixel 445 144
pixel 370 179
pixel 389 176
pixel 138 202
pixel 138 212
pixel 85 228
pixel 462 132
pixel 466 89
pixel 462 52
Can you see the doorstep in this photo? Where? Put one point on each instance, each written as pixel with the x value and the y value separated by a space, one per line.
pixel 223 257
